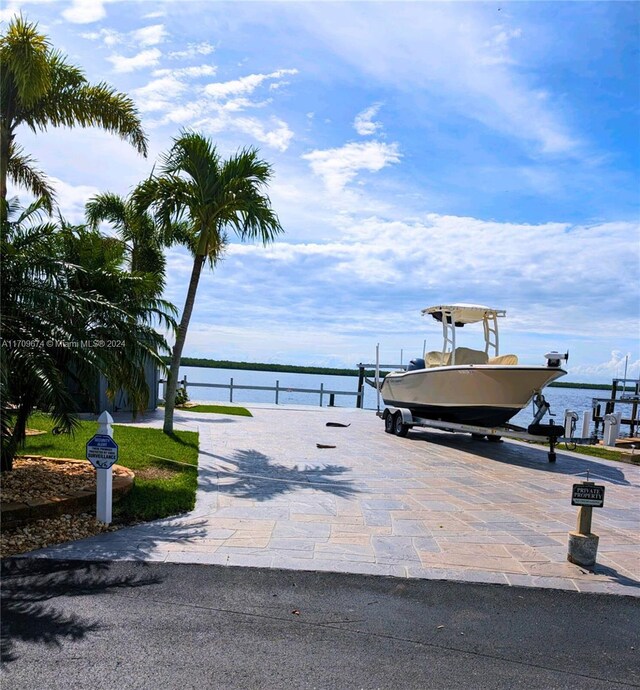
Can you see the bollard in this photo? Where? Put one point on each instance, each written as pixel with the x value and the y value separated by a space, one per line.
pixel 586 423
pixel 583 545
pixel 570 419
pixel 611 428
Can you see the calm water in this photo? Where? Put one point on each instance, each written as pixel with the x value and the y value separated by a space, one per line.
pixel 576 399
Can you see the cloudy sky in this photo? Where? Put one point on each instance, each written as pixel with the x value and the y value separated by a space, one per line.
pixel 424 153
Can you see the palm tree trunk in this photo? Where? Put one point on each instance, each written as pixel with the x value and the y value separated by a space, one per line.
pixel 10 445
pixel 5 141
pixel 181 336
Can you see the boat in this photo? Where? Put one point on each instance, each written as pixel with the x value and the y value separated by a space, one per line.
pixel 467 386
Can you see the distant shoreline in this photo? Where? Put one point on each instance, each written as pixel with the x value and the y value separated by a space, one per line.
pixel 331 371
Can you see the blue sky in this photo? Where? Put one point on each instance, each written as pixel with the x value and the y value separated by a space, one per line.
pixel 424 153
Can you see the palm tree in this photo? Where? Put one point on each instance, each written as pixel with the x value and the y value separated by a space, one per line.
pixel 64 292
pixel 212 195
pixel 40 89
pixel 136 230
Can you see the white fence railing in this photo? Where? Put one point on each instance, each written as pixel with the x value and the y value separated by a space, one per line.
pixel 277 389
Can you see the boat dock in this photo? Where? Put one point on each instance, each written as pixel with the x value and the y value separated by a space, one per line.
pixel 624 393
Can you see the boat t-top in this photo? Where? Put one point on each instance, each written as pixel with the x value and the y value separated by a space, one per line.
pixel 467 386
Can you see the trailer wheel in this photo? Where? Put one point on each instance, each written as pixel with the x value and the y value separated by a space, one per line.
pixel 494 439
pixel 389 423
pixel 399 427
pixel 477 437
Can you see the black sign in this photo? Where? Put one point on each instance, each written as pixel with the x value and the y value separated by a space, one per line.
pixel 587 495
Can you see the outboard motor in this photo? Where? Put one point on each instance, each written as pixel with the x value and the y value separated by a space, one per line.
pixel 555 359
pixel 417 363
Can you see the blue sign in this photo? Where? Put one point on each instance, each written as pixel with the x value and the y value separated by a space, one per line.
pixel 102 451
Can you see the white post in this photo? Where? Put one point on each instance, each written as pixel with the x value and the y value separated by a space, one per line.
pixel 570 417
pixel 378 376
pixel 104 478
pixel 586 423
pixel 611 428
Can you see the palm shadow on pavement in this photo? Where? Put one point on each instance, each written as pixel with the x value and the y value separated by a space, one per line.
pixel 29 589
pixel 254 475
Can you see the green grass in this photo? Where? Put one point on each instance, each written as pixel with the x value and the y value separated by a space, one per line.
pixel 595 452
pixel 604 453
pixel 171 463
pixel 217 409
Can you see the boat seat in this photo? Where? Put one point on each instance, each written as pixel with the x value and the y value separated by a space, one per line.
pixel 465 355
pixel 436 359
pixel 503 359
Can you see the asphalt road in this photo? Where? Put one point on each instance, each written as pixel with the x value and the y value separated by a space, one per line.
pixel 140 625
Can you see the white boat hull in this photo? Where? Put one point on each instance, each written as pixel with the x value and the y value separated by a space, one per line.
pixel 487 395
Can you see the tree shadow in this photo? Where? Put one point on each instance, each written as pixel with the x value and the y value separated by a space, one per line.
pixel 137 542
pixel 526 455
pixel 28 585
pixel 254 475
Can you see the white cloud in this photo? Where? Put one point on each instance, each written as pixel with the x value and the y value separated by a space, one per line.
pixel 215 107
pixel 149 35
pixel 449 53
pixel 243 85
pixel 72 199
pixel 146 58
pixel 364 123
pixel 139 38
pixel 194 71
pixel 614 366
pixel 468 259
pixel 277 135
pixel 85 11
pixel 108 36
pixel 339 166
pixel 153 96
pixel 193 50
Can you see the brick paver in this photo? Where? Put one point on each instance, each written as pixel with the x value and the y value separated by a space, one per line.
pixel 432 505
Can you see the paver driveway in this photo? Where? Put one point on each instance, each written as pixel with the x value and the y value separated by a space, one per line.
pixel 432 505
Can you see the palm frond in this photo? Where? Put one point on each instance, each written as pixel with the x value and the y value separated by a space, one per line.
pixel 25 68
pixel 21 171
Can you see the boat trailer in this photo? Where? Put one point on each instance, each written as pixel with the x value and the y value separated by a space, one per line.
pixel 398 421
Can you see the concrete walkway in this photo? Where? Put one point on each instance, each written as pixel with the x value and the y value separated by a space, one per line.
pixel 432 505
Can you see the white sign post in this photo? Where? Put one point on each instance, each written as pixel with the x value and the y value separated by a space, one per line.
pixel 102 453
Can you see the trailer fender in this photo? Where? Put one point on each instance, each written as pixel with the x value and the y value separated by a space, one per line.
pixel 407 417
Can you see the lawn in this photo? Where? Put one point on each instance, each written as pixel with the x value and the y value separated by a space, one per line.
pixel 604 453
pixel 166 467
pixel 595 452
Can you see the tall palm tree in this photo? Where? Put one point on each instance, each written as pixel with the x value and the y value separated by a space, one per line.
pixel 40 89
pixel 213 196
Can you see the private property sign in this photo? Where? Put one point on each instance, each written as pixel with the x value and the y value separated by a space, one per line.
pixel 102 451
pixel 587 494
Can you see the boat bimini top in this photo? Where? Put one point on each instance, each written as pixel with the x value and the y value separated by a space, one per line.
pixel 457 315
